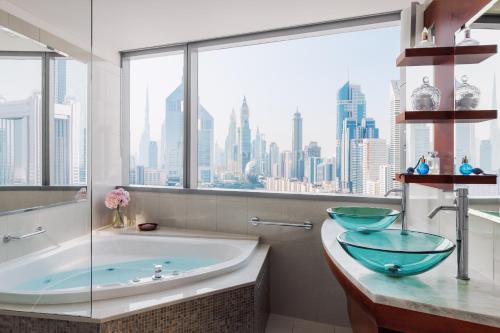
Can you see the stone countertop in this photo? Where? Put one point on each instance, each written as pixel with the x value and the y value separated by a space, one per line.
pixel 436 292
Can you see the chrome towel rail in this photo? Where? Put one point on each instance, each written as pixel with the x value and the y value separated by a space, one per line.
pixel 38 231
pixel 255 221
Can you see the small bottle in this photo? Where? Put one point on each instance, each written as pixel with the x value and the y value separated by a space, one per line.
pixel 434 163
pixel 465 167
pixel 423 167
pixel 426 39
pixel 468 40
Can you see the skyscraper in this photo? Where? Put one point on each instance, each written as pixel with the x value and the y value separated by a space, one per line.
pixel 231 145
pixel 375 155
pixel 348 134
pixel 297 166
pixel 395 149
pixel 205 146
pixel 172 132
pixel 351 103
pixel 245 136
pixel 60 80
pixel 153 155
pixel 145 137
pixel 311 152
pixel 274 160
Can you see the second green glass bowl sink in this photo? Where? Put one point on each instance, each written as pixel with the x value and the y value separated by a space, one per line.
pixel 395 254
pixel 364 219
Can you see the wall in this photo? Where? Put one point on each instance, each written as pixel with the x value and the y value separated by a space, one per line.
pixel 301 283
pixel 62 223
pixel 484 235
pixel 12 200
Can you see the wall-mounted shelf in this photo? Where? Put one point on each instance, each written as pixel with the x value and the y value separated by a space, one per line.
pixel 446 179
pixel 459 55
pixel 475 116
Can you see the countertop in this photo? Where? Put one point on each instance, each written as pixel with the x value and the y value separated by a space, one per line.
pixel 436 292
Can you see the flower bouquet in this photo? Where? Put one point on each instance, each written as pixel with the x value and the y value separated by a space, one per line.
pixel 115 200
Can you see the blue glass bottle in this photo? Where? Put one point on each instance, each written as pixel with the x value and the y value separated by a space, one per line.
pixel 465 168
pixel 423 167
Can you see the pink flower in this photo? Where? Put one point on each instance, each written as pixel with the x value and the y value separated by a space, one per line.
pixel 117 198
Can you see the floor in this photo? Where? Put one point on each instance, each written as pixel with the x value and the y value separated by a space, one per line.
pixel 282 324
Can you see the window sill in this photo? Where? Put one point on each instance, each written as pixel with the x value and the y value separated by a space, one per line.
pixel 41 187
pixel 262 194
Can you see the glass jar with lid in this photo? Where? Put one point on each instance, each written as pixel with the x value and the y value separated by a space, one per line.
pixel 466 95
pixel 426 97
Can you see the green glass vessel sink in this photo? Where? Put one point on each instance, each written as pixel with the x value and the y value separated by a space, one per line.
pixel 364 219
pixel 396 254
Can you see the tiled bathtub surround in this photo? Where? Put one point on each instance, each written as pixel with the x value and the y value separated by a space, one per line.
pixel 301 284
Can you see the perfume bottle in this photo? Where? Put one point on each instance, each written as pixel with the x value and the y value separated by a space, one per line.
pixel 434 163
pixel 423 167
pixel 426 97
pixel 465 167
pixel 468 41
pixel 466 95
pixel 427 40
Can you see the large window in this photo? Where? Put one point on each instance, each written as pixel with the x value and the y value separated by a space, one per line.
pixel 20 119
pixel 156 108
pixel 303 115
pixel 309 112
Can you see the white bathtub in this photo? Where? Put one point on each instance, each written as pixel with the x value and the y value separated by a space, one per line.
pixel 108 249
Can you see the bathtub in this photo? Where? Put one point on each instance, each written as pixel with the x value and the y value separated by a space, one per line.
pixel 123 265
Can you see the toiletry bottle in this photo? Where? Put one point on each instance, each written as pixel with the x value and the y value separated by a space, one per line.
pixel 465 168
pixel 423 167
pixel 433 162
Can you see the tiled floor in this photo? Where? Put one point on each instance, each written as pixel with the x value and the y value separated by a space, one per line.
pixel 283 324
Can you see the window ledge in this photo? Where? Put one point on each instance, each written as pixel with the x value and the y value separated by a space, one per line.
pixel 262 194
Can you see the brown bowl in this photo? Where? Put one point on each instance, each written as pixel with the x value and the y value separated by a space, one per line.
pixel 147 226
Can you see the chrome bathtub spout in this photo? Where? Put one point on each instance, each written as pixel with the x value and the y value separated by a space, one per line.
pixel 461 208
pixel 404 190
pixel 157 274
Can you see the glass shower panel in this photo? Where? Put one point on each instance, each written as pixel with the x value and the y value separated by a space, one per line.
pixel 45 207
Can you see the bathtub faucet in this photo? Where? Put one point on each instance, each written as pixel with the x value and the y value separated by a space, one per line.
pixel 157 275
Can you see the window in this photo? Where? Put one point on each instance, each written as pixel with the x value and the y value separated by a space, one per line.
pixel 69 125
pixel 156 108
pixel 313 115
pixel 20 119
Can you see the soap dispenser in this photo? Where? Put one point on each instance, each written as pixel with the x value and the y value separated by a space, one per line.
pixel 423 167
pixel 465 167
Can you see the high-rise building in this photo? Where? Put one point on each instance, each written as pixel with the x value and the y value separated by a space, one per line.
pixel 485 155
pixel 205 146
pixel 351 104
pixel 348 134
pixel 153 155
pixel 311 152
pixel 326 171
pixel 420 142
pixel 244 136
pixel 171 146
pixel 395 149
pixel 297 166
pixel 286 164
pixel 274 160
pixel 311 165
pixel 259 152
pixel 60 78
pixel 145 136
pixel 374 155
pixel 385 179
pixel 231 145
pixel 355 182
pixel 20 151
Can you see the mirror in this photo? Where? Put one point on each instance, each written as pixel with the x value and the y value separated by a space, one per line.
pixel 43 123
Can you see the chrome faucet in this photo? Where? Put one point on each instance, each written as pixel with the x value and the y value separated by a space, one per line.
pixel 461 207
pixel 404 202
pixel 157 275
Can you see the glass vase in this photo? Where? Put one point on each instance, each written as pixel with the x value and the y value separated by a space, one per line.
pixel 118 220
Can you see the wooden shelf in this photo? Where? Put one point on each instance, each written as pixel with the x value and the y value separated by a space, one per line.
pixel 475 116
pixel 459 55
pixel 446 179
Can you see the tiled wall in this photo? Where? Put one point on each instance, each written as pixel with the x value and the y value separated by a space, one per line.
pixel 13 200
pixel 484 235
pixel 301 284
pixel 61 223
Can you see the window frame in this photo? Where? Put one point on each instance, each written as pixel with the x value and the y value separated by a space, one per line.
pixel 46 126
pixel 191 50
